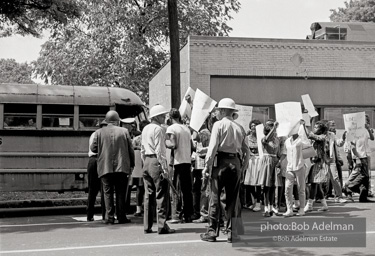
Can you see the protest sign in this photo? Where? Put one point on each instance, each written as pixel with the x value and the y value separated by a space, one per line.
pixel 185 109
pixel 309 106
pixel 288 114
pixel 245 114
pixel 306 118
pixel 202 106
pixel 260 134
pixel 355 125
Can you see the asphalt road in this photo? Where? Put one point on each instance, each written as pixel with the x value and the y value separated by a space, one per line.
pixel 72 235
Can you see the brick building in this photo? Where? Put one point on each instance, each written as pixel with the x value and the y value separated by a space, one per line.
pixel 339 75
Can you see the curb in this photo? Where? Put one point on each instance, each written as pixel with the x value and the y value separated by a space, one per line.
pixel 44 207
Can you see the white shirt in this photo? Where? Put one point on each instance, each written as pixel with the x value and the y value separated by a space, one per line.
pixel 90 142
pixel 294 152
pixel 182 152
pixel 362 145
pixel 153 143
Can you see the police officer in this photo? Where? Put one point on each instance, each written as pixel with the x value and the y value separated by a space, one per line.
pixel 228 144
pixel 155 165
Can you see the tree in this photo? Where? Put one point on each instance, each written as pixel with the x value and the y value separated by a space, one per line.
pixel 13 72
pixel 124 42
pixel 355 10
pixel 30 17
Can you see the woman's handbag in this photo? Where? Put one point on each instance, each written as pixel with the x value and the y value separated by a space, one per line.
pixel 308 152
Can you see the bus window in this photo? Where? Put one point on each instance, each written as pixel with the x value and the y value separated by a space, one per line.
pixel 20 115
pixel 54 116
pixel 260 113
pixel 91 116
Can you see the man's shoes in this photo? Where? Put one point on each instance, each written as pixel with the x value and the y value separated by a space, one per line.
pixel 174 221
pixel 124 221
pixel 165 231
pixel 90 218
pixel 195 217
pixel 275 210
pixel 138 214
pixel 301 213
pixel 208 237
pixel 288 214
pixel 340 200
pixel 200 220
pixel 257 207
pixel 148 231
pixel 266 214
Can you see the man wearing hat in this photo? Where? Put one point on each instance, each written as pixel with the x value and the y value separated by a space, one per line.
pixel 227 144
pixel 115 163
pixel 153 152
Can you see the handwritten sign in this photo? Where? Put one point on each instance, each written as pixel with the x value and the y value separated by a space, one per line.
pixel 288 114
pixel 309 105
pixel 260 134
pixel 245 114
pixel 185 109
pixel 202 106
pixel 355 125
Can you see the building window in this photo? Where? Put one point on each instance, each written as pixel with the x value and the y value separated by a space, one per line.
pixel 336 114
pixel 260 113
pixel 20 116
pixel 54 116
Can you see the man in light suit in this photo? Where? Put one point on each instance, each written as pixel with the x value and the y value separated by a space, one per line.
pixel 115 164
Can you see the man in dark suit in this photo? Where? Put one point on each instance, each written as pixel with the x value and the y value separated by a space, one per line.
pixel 115 164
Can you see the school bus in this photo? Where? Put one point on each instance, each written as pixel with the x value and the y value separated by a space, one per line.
pixel 44 132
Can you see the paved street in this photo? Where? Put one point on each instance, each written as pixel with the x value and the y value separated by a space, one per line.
pixel 72 235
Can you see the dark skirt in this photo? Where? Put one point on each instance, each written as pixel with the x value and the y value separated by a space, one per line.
pixel 319 173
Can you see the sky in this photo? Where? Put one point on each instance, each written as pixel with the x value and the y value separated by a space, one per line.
pixel 257 19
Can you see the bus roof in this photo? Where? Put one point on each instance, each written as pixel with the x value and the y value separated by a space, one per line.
pixel 65 94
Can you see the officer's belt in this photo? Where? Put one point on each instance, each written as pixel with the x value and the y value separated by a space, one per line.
pixel 151 156
pixel 227 155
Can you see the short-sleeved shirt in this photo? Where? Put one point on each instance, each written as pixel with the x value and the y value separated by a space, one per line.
pixel 182 152
pixel 362 145
pixel 153 141
pixel 227 136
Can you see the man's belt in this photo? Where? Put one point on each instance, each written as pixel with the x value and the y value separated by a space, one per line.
pixel 151 156
pixel 227 155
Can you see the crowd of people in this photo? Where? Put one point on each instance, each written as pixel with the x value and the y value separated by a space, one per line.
pixel 211 175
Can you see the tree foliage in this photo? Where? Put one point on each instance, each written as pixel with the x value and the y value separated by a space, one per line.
pixel 13 72
pixel 30 17
pixel 124 42
pixel 355 10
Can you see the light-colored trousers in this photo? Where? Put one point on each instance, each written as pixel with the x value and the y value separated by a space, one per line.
pixel 291 177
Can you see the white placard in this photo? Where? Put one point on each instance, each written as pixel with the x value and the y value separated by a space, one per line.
pixel 289 115
pixel 185 109
pixel 355 125
pixel 309 105
pixel 202 106
pixel 260 134
pixel 64 121
pixel 306 118
pixel 245 113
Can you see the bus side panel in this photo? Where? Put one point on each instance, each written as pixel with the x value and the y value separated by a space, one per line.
pixel 53 163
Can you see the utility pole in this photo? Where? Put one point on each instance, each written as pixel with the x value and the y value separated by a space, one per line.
pixel 175 53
